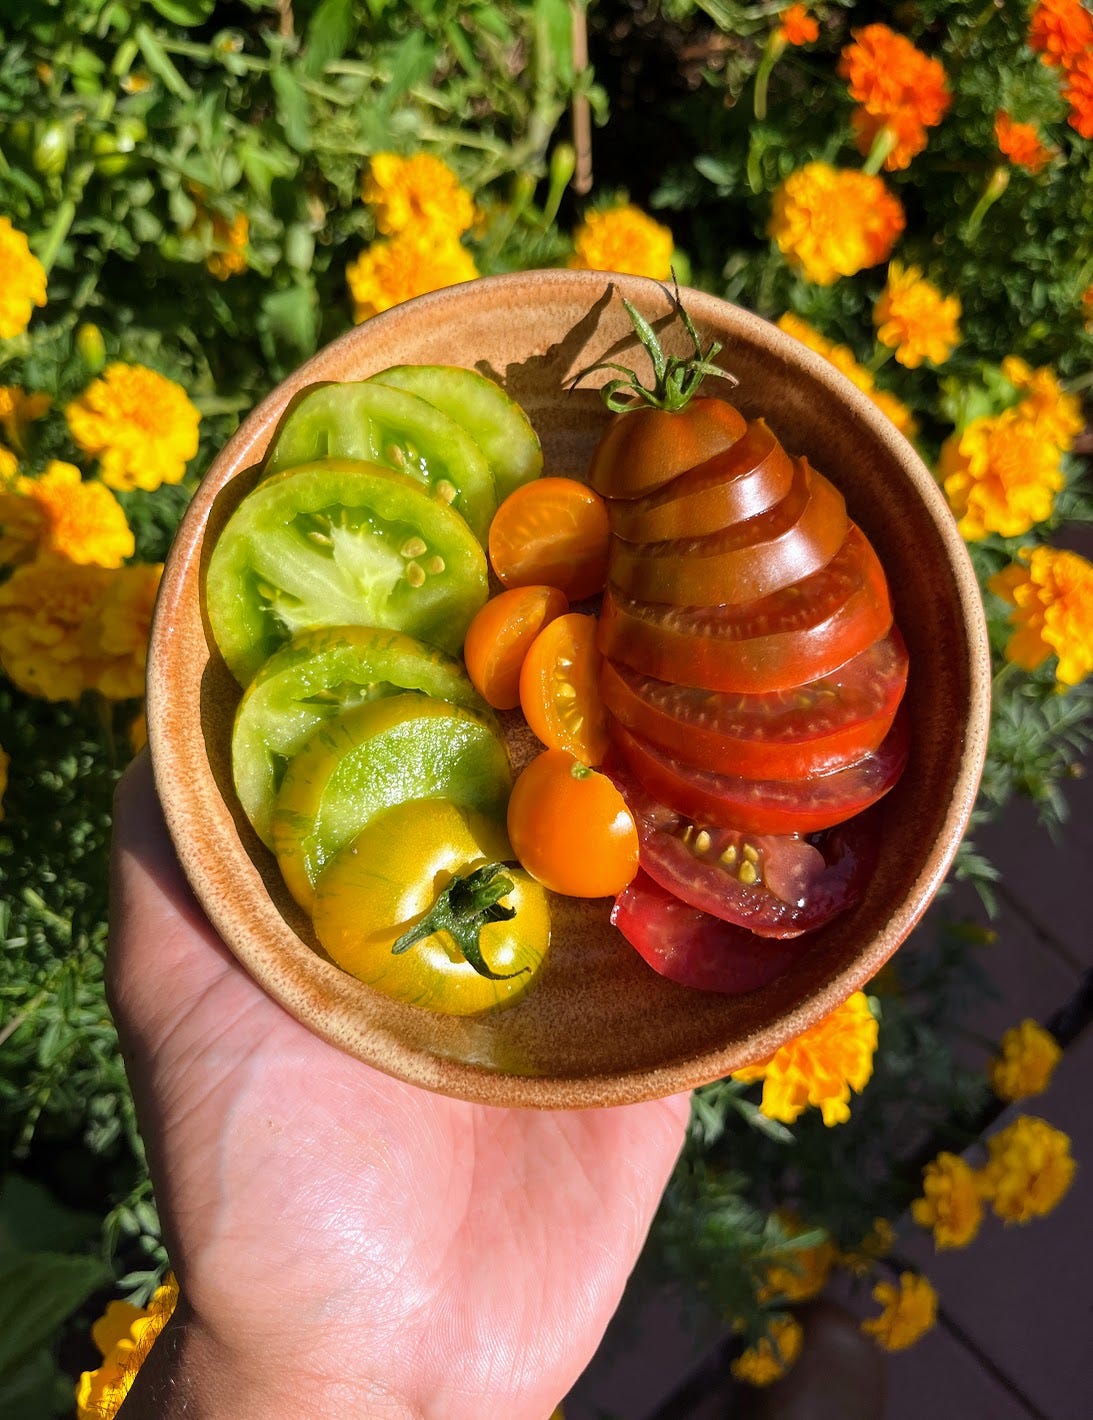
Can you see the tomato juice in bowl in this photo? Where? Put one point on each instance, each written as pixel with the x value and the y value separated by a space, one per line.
pixel 599 1027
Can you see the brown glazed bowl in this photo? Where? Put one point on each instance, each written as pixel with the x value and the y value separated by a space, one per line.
pixel 599 1027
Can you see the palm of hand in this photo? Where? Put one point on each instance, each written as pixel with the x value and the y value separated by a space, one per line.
pixel 316 1208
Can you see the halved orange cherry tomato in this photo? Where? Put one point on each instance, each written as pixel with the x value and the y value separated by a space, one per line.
pixel 645 448
pixel 500 636
pixel 552 531
pixel 559 688
pixel 570 827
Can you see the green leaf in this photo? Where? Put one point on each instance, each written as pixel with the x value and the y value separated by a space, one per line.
pixel 188 13
pixel 292 108
pixel 291 319
pixel 158 60
pixel 36 1390
pixel 37 1291
pixel 331 32
pixel 32 1220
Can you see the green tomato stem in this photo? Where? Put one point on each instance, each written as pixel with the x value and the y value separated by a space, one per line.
pixel 467 904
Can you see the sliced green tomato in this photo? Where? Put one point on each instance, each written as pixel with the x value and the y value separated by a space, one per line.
pixel 387 751
pixel 340 543
pixel 395 429
pixel 385 880
pixel 495 422
pixel 318 676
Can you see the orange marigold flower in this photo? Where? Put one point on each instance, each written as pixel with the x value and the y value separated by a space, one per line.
pixel 797 26
pixel 951 1204
pixel 831 222
pixel 80 521
pixel 389 272
pixel 910 1309
pixel 1020 143
pixel 124 1335
pixel 1087 307
pixel 1078 92
pixel 140 425
pixel 999 475
pixel 820 1067
pixel 229 256
pixel 22 281
pixel 416 194
pixel 1057 415
pixel 1028 1054
pixel 1029 1171
pixel 117 632
pixel 1059 30
pixel 772 1355
pixel 897 87
pixel 1051 592
pixel 18 409
pixel 804 1271
pixel 44 607
pixel 842 357
pixel 623 239
pixel 914 319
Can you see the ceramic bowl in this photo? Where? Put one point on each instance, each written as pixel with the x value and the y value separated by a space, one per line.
pixel 599 1027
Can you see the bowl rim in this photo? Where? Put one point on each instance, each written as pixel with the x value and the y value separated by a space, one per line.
pixel 483 1084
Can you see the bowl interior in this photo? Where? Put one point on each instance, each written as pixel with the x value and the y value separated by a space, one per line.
pixel 600 1027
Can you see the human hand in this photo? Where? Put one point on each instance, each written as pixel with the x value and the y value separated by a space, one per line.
pixel 347 1244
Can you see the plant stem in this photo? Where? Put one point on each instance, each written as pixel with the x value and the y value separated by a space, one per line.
pixel 996 186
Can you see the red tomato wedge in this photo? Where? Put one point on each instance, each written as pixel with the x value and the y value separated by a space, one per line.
pixel 646 448
pixel 776 642
pixel 767 806
pixel 694 948
pixel 747 479
pixel 793 540
pixel 776 886
pixel 811 729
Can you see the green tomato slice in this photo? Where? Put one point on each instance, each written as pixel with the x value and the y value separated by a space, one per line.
pixel 318 676
pixel 396 430
pixel 497 424
pixel 340 543
pixel 387 751
pixel 385 881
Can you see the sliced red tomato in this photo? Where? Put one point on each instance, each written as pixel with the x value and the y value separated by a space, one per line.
pixel 812 729
pixel 750 477
pixel 768 806
pixel 776 642
pixel 645 448
pixel 695 948
pixel 793 540
pixel 776 886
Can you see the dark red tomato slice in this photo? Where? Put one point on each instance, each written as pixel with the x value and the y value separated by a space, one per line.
pixel 776 886
pixel 766 806
pixel 791 541
pixel 784 734
pixel 695 948
pixel 747 479
pixel 646 448
pixel 773 643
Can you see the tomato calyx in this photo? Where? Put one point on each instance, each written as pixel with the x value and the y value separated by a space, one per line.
pixel 465 906
pixel 676 378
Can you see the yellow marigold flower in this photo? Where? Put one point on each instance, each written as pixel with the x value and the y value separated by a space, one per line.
pixel 390 272
pixel 797 26
pixel 803 1273
pixel 117 632
pixel 229 256
pixel 8 465
pixel 842 357
pixel 951 1204
pixel 22 281
pixel 412 194
pixel 899 89
pixel 18 409
pixel 1029 1170
pixel 140 425
pixel 1020 143
pixel 820 1067
pixel 81 521
pixel 1059 30
pixel 910 1309
pixel 1000 475
pixel 772 1355
pixel 4 762
pixel 1027 1054
pixel 623 239
pixel 1051 593
pixel 1057 415
pixel 914 319
pixel 124 1335
pixel 44 607
pixel 829 222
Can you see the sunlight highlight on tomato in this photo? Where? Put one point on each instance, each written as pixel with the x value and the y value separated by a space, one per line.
pixel 500 636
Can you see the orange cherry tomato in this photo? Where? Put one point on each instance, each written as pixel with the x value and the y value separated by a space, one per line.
pixel 570 827
pixel 499 637
pixel 559 688
pixel 553 530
